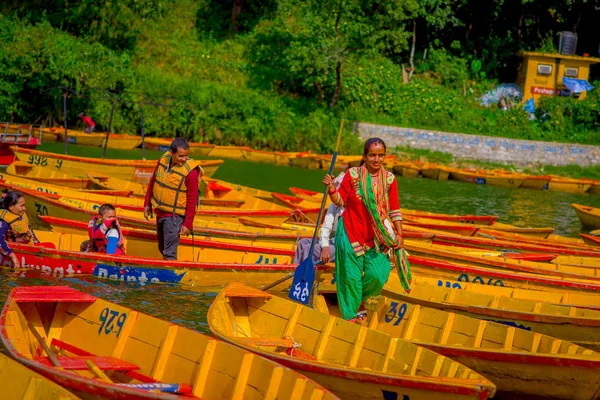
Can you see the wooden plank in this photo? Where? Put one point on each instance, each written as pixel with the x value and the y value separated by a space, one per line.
pixel 227 323
pixel 324 338
pixel 204 368
pixel 555 346
pixel 413 322
pixel 58 321
pixel 510 338
pixel 451 296
pixel 125 333
pixel 358 346
pixel 164 353
pixel 242 378
pixel 479 334
pixel 537 338
pixel 415 365
pixel 32 392
pixel 572 311
pixel 447 328
pixel 537 307
pixel 78 363
pixel 390 352
pixel 572 349
pixel 32 316
pixel 317 394
pixel 439 363
pixel 495 302
pixel 289 329
pixel 266 341
pixel 453 370
pixel 298 389
pixel 273 389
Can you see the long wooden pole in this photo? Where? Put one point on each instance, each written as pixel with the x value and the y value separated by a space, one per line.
pixel 291 274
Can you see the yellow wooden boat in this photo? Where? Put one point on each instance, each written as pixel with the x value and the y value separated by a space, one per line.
pixel 519 362
pixel 233 152
pixel 506 181
pixel 218 189
pixel 25 170
pixel 50 134
pixel 44 205
pixel 254 199
pixel 536 182
pixel 566 297
pixel 109 182
pixel 577 325
pixel 460 257
pixel 589 216
pixel 352 361
pixel 407 169
pixel 561 184
pixel 82 138
pixel 456 274
pixel 270 157
pixel 307 161
pixel 164 144
pixel 122 141
pixel 20 383
pixel 435 172
pixel 136 170
pixel 543 232
pixel 43 188
pixel 134 355
pixel 142 243
pixel 595 188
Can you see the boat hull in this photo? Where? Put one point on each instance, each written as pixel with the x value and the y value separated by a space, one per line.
pixel 136 170
pixel 589 216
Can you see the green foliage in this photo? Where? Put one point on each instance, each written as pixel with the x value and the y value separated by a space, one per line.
pixel 281 74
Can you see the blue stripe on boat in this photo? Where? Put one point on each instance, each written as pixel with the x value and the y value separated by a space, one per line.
pixel 140 275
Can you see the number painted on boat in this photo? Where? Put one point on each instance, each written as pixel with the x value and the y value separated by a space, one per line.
pixel 513 323
pixel 265 260
pixel 395 312
pixel 301 293
pixel 465 278
pixel 37 160
pixel 45 190
pixel 387 395
pixel 41 209
pixel 109 318
pixel 43 161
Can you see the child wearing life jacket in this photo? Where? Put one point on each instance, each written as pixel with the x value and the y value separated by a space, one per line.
pixel 14 225
pixel 105 232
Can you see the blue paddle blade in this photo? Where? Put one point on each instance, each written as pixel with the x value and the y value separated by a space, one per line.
pixel 304 277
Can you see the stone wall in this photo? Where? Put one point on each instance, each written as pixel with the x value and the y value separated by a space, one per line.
pixel 484 148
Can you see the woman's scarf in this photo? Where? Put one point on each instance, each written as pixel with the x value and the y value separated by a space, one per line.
pixel 378 206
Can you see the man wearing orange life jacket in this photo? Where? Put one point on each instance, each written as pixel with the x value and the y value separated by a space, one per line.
pixel 105 232
pixel 173 193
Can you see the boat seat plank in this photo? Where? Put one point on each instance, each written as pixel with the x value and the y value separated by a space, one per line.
pixel 267 341
pixel 51 294
pixel 80 352
pixel 78 363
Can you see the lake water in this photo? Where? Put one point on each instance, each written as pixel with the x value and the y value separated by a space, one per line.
pixel 188 308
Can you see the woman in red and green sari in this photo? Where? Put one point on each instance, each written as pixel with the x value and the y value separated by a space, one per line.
pixel 364 247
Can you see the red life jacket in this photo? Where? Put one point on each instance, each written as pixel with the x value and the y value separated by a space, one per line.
pixel 98 239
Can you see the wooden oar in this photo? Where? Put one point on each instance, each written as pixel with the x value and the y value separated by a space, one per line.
pixel 304 274
pixel 46 348
pixel 97 371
